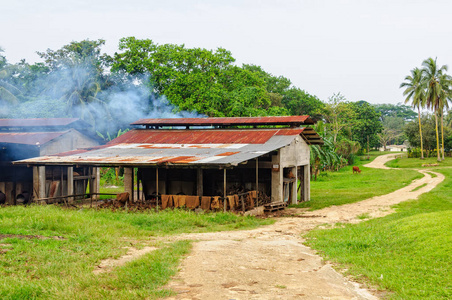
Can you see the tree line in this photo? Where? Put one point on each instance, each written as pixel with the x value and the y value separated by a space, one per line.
pixel 145 79
pixel 430 87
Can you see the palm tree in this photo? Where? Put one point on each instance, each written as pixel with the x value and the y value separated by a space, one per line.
pixel 437 85
pixel 415 92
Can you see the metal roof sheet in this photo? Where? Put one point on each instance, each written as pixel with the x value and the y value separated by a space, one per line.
pixel 204 136
pixel 42 122
pixel 210 148
pixel 29 138
pixel 211 155
pixel 229 121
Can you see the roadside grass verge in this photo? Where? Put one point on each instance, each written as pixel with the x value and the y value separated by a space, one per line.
pixel 417 162
pixel 407 253
pixel 47 252
pixel 344 187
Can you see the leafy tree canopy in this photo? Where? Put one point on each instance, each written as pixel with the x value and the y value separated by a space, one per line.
pixel 367 124
pixel 201 80
pixel 398 110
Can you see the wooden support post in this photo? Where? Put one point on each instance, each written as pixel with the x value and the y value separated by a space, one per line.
pixel 91 187
pixel 96 181
pixel 224 191
pixel 61 180
pixel 199 182
pixel 293 192
pixel 42 182
pixel 70 184
pixel 257 181
pixel 306 184
pixel 128 182
pixel 157 187
pixel 138 184
pixel 9 192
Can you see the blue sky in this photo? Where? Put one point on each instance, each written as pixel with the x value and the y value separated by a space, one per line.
pixel 362 49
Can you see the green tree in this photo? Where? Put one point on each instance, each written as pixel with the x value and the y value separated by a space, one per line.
pixel 396 125
pixel 415 92
pixel 386 136
pixel 324 157
pixel 399 110
pixel 200 80
pixel 367 124
pixel 339 114
pixel 437 84
pixel 428 133
pixel 78 73
pixel 8 93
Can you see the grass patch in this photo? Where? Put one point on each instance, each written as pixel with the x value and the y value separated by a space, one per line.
pixel 417 162
pixel 112 190
pixel 344 187
pixel 407 253
pixel 38 268
pixel 419 187
pixel 363 216
pixel 432 174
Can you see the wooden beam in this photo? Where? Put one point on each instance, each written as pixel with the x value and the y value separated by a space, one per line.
pixel 157 187
pixel 224 191
pixel 199 182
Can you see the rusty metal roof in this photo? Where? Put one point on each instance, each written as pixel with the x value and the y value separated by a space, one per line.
pixel 209 148
pixel 44 122
pixel 204 136
pixel 29 138
pixel 247 121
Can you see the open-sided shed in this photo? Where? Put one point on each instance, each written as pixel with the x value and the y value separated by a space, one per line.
pixel 201 157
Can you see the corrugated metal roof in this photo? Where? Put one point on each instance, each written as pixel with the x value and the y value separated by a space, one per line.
pixel 247 121
pixel 29 138
pixel 212 155
pixel 210 148
pixel 205 136
pixel 43 122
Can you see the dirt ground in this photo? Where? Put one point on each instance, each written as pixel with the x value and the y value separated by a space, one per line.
pixel 272 262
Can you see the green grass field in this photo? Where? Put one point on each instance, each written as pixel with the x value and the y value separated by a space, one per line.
pixel 342 187
pixel 406 253
pixel 44 267
pixel 417 163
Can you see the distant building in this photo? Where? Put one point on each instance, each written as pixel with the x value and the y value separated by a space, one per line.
pixel 394 148
pixel 27 138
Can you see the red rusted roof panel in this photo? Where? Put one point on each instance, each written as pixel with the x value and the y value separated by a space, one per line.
pixel 42 122
pixel 227 153
pixel 205 136
pixel 242 121
pixel 29 138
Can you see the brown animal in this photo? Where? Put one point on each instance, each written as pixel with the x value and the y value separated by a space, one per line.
pixel 356 169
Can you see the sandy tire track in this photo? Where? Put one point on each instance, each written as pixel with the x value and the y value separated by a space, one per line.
pixel 272 262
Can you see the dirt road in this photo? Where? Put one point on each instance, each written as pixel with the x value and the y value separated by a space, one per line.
pixel 272 263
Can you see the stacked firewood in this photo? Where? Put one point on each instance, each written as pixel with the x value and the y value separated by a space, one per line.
pixel 238 199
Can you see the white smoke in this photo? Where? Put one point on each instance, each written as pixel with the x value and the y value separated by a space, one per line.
pixel 130 98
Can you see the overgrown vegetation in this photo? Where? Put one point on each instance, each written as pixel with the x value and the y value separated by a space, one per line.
pixel 50 253
pixel 406 253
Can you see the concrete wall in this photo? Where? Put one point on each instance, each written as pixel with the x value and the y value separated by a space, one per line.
pixel 295 154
